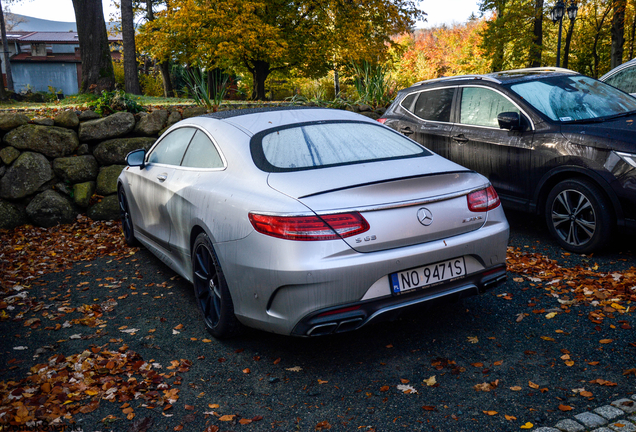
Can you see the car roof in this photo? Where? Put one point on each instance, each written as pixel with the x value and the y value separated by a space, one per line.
pixel 255 120
pixel 503 77
pixel 618 68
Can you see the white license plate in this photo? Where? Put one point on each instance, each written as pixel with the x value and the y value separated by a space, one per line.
pixel 427 275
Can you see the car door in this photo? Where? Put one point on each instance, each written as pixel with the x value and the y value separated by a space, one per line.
pixel 428 120
pixel 624 79
pixel 480 144
pixel 193 185
pixel 152 185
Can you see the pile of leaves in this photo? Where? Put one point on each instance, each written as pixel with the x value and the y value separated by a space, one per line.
pixel 611 292
pixel 28 252
pixel 64 386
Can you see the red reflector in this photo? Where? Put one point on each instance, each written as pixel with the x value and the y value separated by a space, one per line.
pixel 382 120
pixel 483 200
pixel 337 311
pixel 310 228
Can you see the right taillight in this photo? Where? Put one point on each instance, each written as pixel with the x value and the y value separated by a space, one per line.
pixel 382 120
pixel 483 200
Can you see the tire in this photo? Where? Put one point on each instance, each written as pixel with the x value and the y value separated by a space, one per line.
pixel 578 216
pixel 126 219
pixel 211 291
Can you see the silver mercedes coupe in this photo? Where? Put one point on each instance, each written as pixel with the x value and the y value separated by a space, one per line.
pixel 308 221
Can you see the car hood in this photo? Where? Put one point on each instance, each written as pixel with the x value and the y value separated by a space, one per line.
pixel 618 134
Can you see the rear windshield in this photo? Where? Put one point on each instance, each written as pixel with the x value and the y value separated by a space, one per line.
pixel 319 145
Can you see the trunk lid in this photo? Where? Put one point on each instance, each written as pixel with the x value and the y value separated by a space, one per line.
pixel 392 196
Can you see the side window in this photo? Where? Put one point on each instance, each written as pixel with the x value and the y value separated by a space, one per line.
pixel 407 103
pixel 201 153
pixel 435 105
pixel 624 80
pixel 171 148
pixel 480 107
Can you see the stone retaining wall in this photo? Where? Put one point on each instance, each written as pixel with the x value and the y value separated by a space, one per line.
pixel 52 169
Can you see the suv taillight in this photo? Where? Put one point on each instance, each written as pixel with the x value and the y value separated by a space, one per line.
pixel 310 228
pixel 483 200
pixel 382 120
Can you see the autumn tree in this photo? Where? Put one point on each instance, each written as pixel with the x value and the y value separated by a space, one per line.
pixel 97 64
pixel 305 36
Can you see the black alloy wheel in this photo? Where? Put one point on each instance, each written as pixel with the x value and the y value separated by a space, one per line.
pixel 126 220
pixel 578 216
pixel 211 292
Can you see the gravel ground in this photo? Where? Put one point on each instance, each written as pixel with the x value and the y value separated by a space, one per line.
pixel 354 381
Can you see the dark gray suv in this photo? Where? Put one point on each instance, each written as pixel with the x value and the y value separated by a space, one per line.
pixel 551 141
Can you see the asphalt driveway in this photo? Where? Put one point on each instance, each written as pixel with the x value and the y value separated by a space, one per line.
pixel 120 346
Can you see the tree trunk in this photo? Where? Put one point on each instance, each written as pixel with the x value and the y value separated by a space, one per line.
pixel 498 57
pixel 164 66
pixel 336 82
pixel 537 38
pixel 618 33
pixel 566 48
pixel 97 63
pixel 168 90
pixel 5 46
pixel 131 72
pixel 3 92
pixel 260 71
pixel 631 38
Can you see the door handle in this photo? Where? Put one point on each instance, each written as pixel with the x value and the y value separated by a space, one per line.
pixel 460 138
pixel 162 177
pixel 406 131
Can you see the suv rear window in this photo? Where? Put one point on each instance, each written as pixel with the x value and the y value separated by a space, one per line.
pixel 325 144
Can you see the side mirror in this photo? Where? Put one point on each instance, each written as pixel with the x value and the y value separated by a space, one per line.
pixel 136 158
pixel 509 120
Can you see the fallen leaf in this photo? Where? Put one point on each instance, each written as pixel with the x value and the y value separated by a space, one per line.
pixel 322 381
pixel 214 406
pixel 179 327
pixel 431 381
pixel 490 413
pixel 384 388
pixel 515 388
pixel 246 370
pixel 533 385
pixel 429 408
pixel 509 417
pixel 405 388
pixel 323 425
pixel 227 417
pixel 294 369
pixel 551 315
pixel 565 408
pixel 473 339
pixel 245 421
pixel 527 426
pixel 606 341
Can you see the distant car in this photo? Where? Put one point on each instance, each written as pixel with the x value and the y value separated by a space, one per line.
pixel 310 221
pixel 550 140
pixel 622 77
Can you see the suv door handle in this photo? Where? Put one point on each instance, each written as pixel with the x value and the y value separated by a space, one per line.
pixel 162 177
pixel 406 131
pixel 460 138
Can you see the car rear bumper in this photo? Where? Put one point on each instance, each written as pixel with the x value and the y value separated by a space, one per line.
pixel 282 286
pixel 355 315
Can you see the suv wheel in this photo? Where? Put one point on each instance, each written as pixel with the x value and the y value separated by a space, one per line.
pixel 578 216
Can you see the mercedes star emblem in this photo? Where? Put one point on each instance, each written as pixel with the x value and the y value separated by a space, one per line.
pixel 425 216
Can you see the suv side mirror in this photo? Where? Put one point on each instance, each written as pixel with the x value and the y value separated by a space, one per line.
pixel 509 120
pixel 136 158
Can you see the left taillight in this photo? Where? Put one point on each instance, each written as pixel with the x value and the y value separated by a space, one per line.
pixel 382 120
pixel 310 228
pixel 483 200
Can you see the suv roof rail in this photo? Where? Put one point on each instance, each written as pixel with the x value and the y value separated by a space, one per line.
pixel 536 69
pixel 450 78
